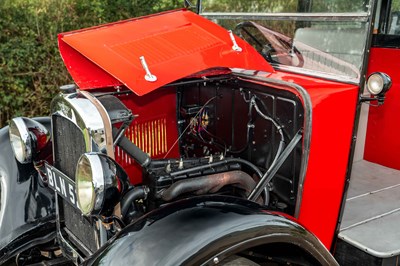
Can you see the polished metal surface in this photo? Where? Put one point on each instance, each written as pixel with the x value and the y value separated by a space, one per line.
pixel 83 113
pixel 90 176
pixel 91 120
pixel 21 141
pixel 104 135
pixel 372 213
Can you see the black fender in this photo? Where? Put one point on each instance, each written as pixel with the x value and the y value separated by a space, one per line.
pixel 27 210
pixel 204 230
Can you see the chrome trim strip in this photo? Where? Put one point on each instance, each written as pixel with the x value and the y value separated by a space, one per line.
pixel 360 17
pixel 257 76
pixel 318 74
pixel 106 122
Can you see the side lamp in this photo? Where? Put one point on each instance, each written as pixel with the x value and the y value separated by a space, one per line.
pixel 378 84
pixel 28 138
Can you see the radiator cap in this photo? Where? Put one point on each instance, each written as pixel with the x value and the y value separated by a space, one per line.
pixel 67 89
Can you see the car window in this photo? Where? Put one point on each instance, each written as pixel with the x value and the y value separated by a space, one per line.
pixel 394 18
pixel 275 6
pixel 328 37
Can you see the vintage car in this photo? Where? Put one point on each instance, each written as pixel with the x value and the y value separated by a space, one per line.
pixel 187 142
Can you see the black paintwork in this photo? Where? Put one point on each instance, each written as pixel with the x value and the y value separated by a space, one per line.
pixel 185 232
pixel 238 132
pixel 386 41
pixel 191 231
pixel 26 207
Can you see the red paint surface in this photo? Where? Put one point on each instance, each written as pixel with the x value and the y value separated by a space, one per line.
pixel 109 55
pixel 333 113
pixel 175 44
pixel 160 104
pixel 382 144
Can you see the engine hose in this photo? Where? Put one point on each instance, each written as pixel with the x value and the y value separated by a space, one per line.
pixel 131 196
pixel 134 151
pixel 209 184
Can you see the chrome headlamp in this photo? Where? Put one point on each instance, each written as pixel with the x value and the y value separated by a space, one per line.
pixel 27 138
pixel 378 83
pixel 100 183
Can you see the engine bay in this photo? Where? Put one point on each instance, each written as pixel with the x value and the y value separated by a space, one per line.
pixel 229 133
pixel 118 156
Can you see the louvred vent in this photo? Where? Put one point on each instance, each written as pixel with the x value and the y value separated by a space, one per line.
pixel 150 136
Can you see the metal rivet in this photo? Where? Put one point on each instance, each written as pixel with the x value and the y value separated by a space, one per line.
pixel 216 260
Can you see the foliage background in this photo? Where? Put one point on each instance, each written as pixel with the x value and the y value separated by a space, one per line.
pixel 31 68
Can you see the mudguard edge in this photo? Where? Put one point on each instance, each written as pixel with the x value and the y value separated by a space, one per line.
pixel 27 211
pixel 196 230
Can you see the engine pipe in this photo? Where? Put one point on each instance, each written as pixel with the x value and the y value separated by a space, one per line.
pixel 218 163
pixel 131 196
pixel 137 154
pixel 209 184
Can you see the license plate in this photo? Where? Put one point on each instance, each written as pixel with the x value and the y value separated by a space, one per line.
pixel 61 184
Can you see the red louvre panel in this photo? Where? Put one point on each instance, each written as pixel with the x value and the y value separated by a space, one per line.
pixel 154 130
pixel 150 136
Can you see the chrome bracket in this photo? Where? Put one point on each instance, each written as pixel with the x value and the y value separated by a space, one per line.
pixel 149 77
pixel 235 46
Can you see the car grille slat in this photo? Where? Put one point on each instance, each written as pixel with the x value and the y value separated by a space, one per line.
pixel 69 145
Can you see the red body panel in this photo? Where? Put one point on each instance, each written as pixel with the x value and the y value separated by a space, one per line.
pixel 333 114
pixel 154 130
pixel 186 43
pixel 109 55
pixel 382 144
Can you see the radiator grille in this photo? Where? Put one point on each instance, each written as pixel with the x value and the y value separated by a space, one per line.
pixel 150 136
pixel 69 145
pixel 82 228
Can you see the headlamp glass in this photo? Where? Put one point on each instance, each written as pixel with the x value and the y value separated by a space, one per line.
pixel 84 185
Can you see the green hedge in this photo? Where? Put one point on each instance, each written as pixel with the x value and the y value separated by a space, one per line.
pixel 31 69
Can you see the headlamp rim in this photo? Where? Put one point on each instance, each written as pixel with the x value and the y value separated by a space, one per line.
pixel 24 136
pixel 97 183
